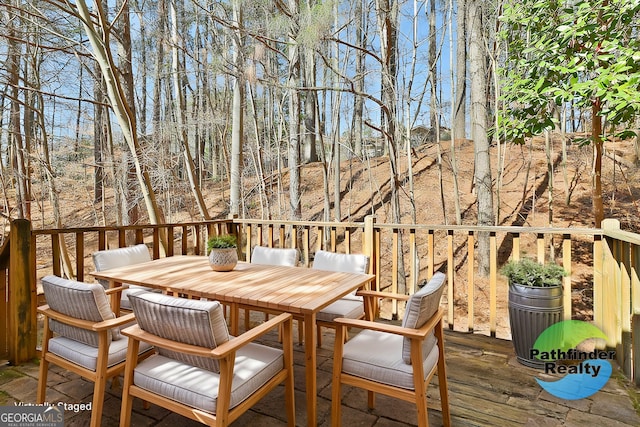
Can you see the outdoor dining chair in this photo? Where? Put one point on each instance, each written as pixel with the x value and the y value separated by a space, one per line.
pixel 112 258
pixel 398 361
pixel 350 306
pixel 200 371
pixel 271 256
pixel 81 335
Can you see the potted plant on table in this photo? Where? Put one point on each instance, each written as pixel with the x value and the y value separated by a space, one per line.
pixel 223 252
pixel 535 303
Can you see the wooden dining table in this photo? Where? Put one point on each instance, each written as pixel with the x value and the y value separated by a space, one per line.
pixel 300 291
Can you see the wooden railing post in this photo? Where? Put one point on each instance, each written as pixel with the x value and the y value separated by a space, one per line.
pixel 609 291
pixel 22 294
pixel 369 245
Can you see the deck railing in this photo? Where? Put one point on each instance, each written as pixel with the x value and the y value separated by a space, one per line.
pixel 603 284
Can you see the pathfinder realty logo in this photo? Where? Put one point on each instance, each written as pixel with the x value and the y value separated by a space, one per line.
pixel 586 371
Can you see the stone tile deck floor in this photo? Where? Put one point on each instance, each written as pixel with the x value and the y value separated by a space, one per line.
pixel 487 387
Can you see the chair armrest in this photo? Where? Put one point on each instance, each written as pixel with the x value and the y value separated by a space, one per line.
pixel 372 301
pixel 420 333
pixel 86 324
pixel 253 334
pixel 136 333
pixel 380 294
pixel 110 291
pixel 115 294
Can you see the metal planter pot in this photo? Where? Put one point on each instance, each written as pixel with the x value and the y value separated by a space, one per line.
pixel 531 311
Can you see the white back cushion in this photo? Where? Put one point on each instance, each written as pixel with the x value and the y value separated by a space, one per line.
pixel 346 263
pixel 274 256
pixel 420 307
pixel 183 320
pixel 86 301
pixel 112 258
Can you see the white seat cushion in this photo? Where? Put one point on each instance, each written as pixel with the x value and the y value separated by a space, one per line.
pixel 197 387
pixel 350 307
pixel 86 355
pixel 378 356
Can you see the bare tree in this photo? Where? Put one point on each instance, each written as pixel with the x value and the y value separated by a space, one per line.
pixel 237 130
pixel 387 18
pixel 459 103
pixel 19 148
pixel 454 127
pixel 98 35
pixel 180 112
pixel 295 204
pixel 479 128
pixel 358 84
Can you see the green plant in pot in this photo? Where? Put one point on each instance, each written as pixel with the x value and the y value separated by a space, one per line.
pixel 535 303
pixel 223 252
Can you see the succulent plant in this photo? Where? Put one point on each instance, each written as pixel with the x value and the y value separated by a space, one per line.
pixel 222 241
pixel 531 273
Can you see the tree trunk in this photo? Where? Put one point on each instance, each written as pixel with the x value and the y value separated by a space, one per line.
pixel 433 64
pixel 482 161
pixel 125 71
pixel 181 108
pixel 358 106
pixel 310 107
pixel 387 17
pixel 158 67
pixel 237 128
pixel 100 136
pixel 295 204
pixel 143 68
pixel 259 160
pixel 336 98
pixel 459 103
pixel 18 157
pixel 596 134
pixel 454 130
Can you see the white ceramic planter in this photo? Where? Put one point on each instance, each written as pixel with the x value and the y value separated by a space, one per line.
pixel 223 259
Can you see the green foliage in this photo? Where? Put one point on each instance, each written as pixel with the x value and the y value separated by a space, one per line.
pixel 569 51
pixel 316 24
pixel 223 241
pixel 531 273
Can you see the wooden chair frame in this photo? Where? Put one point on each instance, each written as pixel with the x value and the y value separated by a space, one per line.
pixel 225 354
pixel 103 372
pixel 418 395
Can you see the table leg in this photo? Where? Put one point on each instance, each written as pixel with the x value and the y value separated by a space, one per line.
pixel 115 297
pixel 234 314
pixel 310 340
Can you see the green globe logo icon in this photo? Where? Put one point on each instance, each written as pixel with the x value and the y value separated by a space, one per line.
pixel 586 372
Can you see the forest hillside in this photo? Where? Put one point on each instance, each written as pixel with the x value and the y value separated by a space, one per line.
pixel 522 192
pixel 521 195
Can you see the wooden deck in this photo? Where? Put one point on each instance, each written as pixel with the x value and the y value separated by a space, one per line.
pixel 487 387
